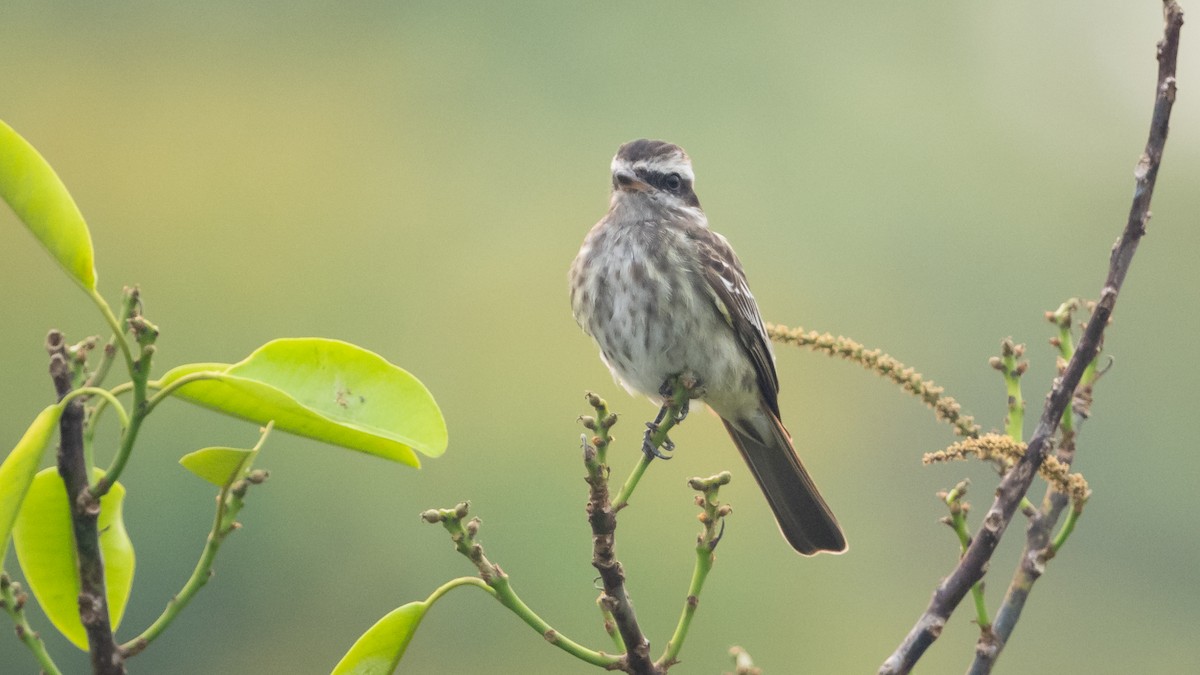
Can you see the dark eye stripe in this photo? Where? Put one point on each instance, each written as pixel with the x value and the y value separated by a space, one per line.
pixel 660 180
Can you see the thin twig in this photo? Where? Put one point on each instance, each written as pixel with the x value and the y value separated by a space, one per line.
pixel 957 520
pixel 1014 486
pixel 230 501
pixel 712 517
pixel 1038 546
pixel 12 598
pixel 497 581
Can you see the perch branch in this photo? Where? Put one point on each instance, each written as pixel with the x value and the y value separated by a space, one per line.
pixel 973 564
pixel 602 517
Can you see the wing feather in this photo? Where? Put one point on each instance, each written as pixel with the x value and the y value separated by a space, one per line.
pixel 731 294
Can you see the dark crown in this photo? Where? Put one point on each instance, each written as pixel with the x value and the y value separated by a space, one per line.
pixel 644 148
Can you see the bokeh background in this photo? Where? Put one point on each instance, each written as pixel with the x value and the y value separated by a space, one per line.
pixel 415 177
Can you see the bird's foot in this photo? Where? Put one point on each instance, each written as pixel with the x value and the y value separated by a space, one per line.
pixel 648 446
pixel 678 391
pixel 712 545
pixel 683 411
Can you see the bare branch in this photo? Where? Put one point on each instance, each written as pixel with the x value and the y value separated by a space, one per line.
pixel 973 564
pixel 85 511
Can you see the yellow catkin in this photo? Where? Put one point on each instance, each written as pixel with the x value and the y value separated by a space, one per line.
pixel 996 448
pixel 944 407
pixel 1001 448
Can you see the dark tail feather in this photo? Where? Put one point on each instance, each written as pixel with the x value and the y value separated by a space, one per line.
pixel 803 516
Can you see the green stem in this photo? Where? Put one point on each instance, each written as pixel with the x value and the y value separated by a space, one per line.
pixel 117 328
pixel 657 438
pixel 1067 424
pixel 622 499
pixel 1015 424
pixel 117 466
pixel 162 393
pixel 106 360
pixel 1068 527
pixel 1066 343
pixel 229 503
pixel 14 605
pixel 704 562
pixel 141 408
pixel 610 626
pixel 1066 349
pixel 93 417
pixel 981 613
pixel 705 543
pixel 132 425
pixel 497 580
pixel 92 420
pixel 139 373
pixel 110 349
pixel 958 521
pixel 104 394
pixel 508 597
pixel 455 583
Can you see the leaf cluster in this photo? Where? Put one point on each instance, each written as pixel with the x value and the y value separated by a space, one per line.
pixel 323 389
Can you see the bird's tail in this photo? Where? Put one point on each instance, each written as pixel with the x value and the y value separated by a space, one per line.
pixel 803 516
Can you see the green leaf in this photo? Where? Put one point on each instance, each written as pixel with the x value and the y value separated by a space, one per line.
pixel 379 650
pixel 19 468
pixel 328 390
pixel 218 466
pixel 41 201
pixel 222 466
pixel 45 547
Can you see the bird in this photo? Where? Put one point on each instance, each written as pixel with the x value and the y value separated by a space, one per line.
pixel 665 297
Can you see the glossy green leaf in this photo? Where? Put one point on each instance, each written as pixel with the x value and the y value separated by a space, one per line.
pixel 45 548
pixel 218 466
pixel 379 650
pixel 19 468
pixel 41 201
pixel 329 390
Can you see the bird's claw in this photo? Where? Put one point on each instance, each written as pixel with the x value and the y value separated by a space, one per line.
pixel 683 411
pixel 712 545
pixel 691 389
pixel 648 446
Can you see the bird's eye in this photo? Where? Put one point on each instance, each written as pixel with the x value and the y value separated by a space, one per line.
pixel 673 182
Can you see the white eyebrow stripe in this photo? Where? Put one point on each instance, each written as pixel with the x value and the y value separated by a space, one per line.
pixel 668 165
pixel 663 165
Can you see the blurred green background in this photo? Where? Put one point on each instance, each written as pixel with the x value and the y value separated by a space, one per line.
pixel 415 177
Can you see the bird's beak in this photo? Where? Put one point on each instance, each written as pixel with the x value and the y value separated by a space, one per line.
pixel 626 181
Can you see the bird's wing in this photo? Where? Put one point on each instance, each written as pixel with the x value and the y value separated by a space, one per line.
pixel 731 294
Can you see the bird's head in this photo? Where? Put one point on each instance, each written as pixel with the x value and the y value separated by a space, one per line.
pixel 647 173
